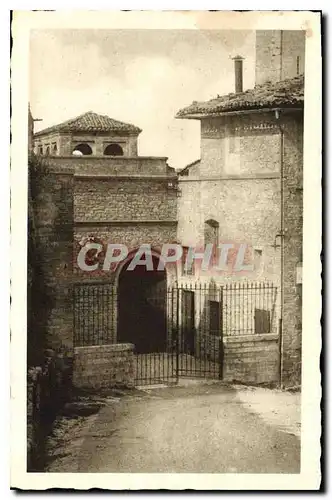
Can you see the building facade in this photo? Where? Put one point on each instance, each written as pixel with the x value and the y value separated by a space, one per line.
pixel 247 185
pixel 244 192
pixel 118 198
pixel 88 134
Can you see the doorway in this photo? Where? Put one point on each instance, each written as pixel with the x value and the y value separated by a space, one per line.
pixel 142 308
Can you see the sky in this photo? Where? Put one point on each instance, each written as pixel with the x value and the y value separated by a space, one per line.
pixel 138 76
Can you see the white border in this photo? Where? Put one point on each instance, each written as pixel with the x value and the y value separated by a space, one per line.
pixel 310 476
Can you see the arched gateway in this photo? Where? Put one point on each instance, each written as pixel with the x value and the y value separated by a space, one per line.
pixel 142 307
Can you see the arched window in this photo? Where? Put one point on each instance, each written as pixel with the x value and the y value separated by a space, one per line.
pixel 54 149
pixel 85 149
pixel 47 151
pixel 40 150
pixel 211 236
pixel 113 150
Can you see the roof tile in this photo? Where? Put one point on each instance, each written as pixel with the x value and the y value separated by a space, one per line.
pixel 286 93
pixel 91 122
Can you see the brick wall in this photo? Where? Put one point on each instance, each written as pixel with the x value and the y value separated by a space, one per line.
pixel 103 366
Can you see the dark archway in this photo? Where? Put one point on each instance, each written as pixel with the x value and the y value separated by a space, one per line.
pixel 84 148
pixel 113 150
pixel 142 308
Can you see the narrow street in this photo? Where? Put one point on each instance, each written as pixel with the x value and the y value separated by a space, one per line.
pixel 200 428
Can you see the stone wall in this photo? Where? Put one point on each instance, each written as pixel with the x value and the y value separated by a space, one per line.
pixel 111 199
pixel 115 166
pixel 237 145
pixel 99 367
pixel 51 256
pixel 293 227
pixel 247 204
pixel 251 359
pixel 237 204
pixel 276 54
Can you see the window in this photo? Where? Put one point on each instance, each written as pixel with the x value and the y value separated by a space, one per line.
pixel 190 271
pixel 211 236
pixel 83 148
pixel 113 150
pixel 40 150
pixel 214 318
pixel 54 149
pixel 262 321
pixel 233 141
pixel 47 151
pixel 258 252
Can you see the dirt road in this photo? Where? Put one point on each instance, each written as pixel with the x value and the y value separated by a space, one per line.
pixel 200 428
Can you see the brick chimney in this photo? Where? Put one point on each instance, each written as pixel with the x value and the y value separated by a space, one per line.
pixel 238 70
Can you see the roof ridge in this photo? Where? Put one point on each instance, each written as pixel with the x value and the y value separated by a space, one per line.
pixel 266 94
pixel 102 121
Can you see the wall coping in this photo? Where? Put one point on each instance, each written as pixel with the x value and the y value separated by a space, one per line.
pixel 132 177
pixel 259 176
pixel 59 169
pixel 88 158
pixel 104 348
pixel 257 337
pixel 134 222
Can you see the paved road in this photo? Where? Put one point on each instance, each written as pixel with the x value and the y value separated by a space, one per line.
pixel 181 429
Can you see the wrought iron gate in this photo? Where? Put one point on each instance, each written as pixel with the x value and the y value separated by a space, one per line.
pixel 192 321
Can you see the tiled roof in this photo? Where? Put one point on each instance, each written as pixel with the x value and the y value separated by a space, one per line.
pixel 91 122
pixel 287 94
pixel 185 170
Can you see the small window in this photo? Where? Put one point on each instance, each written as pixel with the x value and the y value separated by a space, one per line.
pixel 40 150
pixel 54 149
pixel 214 318
pixel 211 236
pixel 190 271
pixel 262 321
pixel 113 150
pixel 233 142
pixel 47 151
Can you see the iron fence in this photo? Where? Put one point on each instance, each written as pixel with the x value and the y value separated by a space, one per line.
pixel 249 308
pixel 184 328
pixel 95 314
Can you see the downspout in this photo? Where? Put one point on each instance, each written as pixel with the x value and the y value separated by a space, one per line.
pixel 281 49
pixel 282 248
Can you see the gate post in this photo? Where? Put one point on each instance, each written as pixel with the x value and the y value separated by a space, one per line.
pixel 177 344
pixel 221 340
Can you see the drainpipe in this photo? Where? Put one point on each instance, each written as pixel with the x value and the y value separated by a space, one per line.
pixel 282 247
pixel 238 73
pixel 281 50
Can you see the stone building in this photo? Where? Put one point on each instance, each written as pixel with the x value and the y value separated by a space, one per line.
pixel 247 189
pixel 88 134
pixel 118 198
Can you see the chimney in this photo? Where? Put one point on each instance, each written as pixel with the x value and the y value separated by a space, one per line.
pixel 238 68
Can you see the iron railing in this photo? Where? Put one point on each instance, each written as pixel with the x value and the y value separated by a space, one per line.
pixel 95 314
pixel 249 308
pixel 183 333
